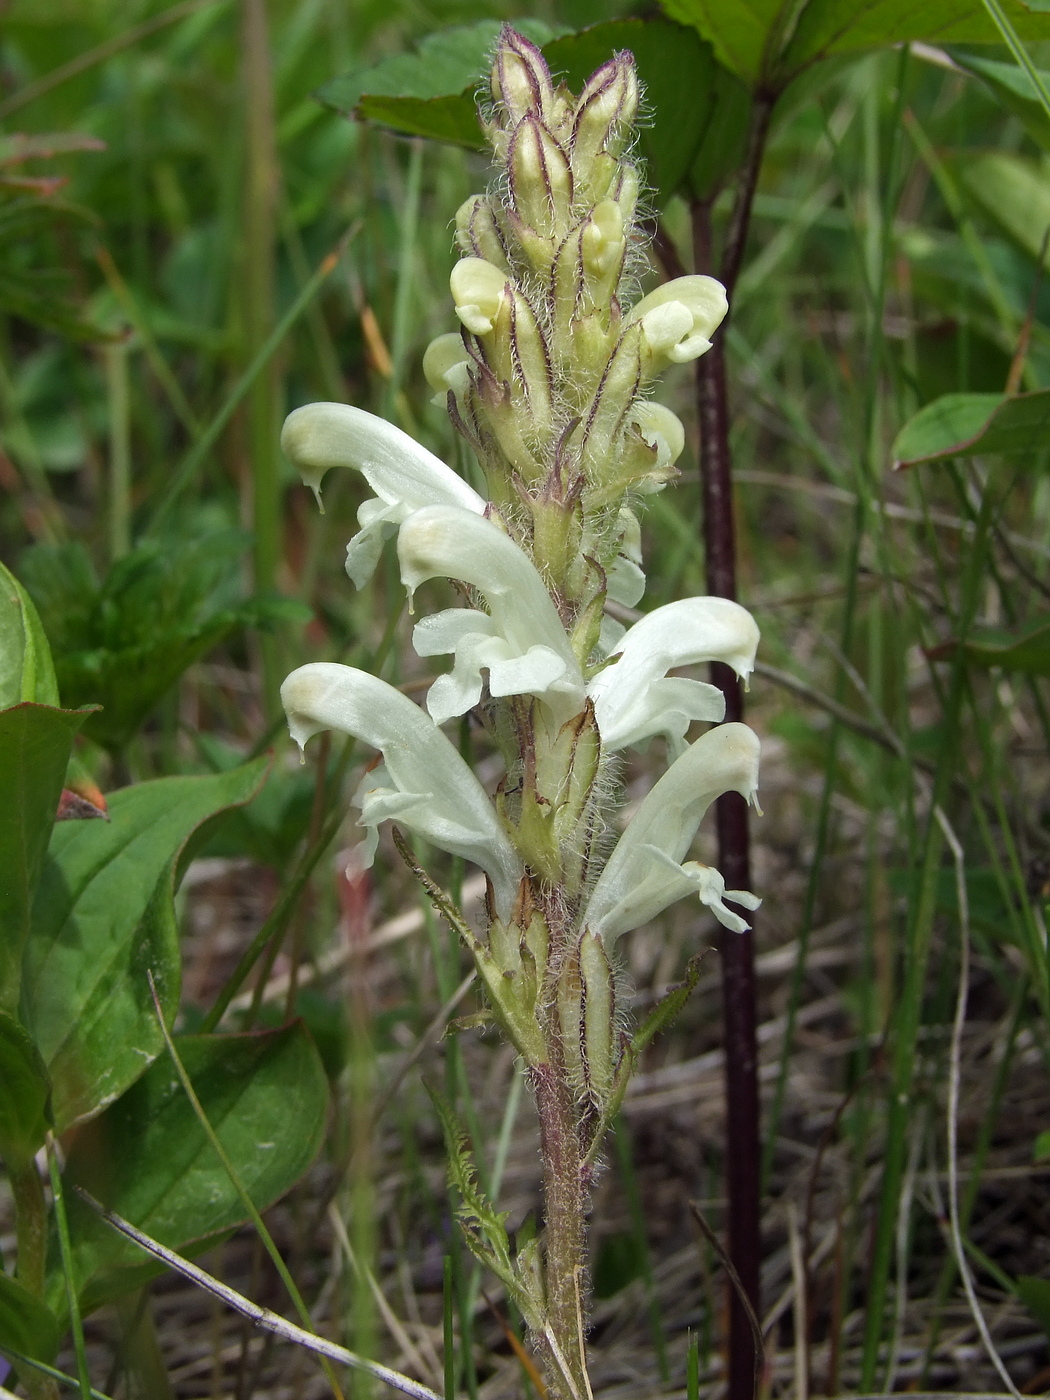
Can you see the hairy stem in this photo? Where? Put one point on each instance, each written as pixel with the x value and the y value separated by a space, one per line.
pixel 565 1201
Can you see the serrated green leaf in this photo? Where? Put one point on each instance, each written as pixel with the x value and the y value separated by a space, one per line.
pixel 430 92
pixel 104 915
pixel 24 1114
pixel 484 1229
pixel 35 744
pixel 26 669
pixel 26 1324
pixel 1027 649
pixel 769 42
pixel 147 1157
pixel 961 425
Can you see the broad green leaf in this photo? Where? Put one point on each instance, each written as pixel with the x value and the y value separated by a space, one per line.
pixel 1013 191
pixel 26 1324
pixel 147 1157
pixel 430 92
pixel 1014 89
pixel 1027 649
pixel 24 1097
pixel 1034 1293
pixel 35 744
pixel 26 668
pixel 104 916
pixel 769 42
pixel 698 111
pixel 959 425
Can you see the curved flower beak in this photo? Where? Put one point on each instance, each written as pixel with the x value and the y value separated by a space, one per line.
pixel 424 782
pixel 645 872
pixel 520 641
pixel 403 475
pixel 634 698
pixel 680 318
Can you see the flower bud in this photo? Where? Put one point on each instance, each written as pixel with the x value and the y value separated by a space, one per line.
pixel 446 366
pixel 602 242
pixel 478 233
pixel 679 318
pixel 521 80
pixel 479 289
pixel 661 430
pixel 605 110
pixel 540 177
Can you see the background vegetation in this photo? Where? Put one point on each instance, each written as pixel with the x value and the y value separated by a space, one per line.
pixel 166 221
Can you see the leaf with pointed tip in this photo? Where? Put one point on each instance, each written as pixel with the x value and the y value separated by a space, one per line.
pixel 1027 649
pixel 103 916
pixel 960 425
pixel 767 43
pixel 26 1324
pixel 147 1158
pixel 35 744
pixel 26 669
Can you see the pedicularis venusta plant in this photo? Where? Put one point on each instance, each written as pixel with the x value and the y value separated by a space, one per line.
pixel 548 380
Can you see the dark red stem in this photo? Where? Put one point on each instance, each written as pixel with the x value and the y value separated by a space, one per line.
pixel 739 1001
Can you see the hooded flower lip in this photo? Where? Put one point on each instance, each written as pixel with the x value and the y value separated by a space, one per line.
pixel 645 872
pixel 634 698
pixel 680 317
pixel 520 641
pixel 402 473
pixel 423 782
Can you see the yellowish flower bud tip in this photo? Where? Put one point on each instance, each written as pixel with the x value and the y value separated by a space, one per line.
pixel 478 289
pixel 446 365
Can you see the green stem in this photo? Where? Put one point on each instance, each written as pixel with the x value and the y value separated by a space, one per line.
pixel 31 1226
pixel 31 1241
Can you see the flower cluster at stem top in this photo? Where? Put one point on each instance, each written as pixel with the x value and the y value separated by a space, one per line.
pixel 547 380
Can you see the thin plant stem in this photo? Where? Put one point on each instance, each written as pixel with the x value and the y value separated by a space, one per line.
pixel 739 995
pixel 66 1251
pixel 954 1079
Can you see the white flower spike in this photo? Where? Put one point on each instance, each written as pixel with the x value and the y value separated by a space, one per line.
pixel 404 475
pixel 634 698
pixel 423 783
pixel 645 872
pixel 520 641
